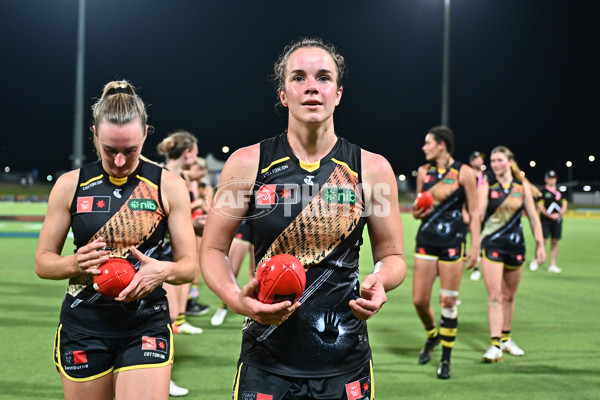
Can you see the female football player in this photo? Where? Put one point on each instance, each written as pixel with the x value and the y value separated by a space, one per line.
pixel 502 201
pixel 119 206
pixel 307 192
pixel 441 239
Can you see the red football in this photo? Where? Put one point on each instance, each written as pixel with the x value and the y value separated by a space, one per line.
pixel 197 213
pixel 281 277
pixel 424 200
pixel 116 275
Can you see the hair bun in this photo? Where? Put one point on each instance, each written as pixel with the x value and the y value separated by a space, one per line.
pixel 118 87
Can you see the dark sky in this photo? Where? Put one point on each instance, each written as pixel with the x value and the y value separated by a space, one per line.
pixel 523 73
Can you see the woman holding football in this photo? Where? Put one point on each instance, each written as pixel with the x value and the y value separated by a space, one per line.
pixel 502 200
pixel 119 206
pixel 309 193
pixel 441 240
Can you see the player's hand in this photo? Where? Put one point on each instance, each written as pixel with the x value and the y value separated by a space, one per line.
pixel 372 298
pixel 265 314
pixel 540 254
pixel 473 256
pixel 89 257
pixel 419 213
pixel 145 280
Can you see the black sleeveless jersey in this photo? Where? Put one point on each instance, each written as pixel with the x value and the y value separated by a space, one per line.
pixel 125 212
pixel 502 222
pixel 315 212
pixel 444 227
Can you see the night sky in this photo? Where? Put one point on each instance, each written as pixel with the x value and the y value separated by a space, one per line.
pixel 524 74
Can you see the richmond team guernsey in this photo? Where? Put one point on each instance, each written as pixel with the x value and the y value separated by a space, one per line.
pixel 444 227
pixel 315 212
pixel 125 212
pixel 502 229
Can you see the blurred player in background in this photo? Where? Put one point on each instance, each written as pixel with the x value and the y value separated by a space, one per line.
pixel 441 241
pixel 503 199
pixel 119 206
pixel 180 150
pixel 551 206
pixel 305 198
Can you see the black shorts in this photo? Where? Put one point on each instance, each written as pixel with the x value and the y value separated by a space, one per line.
pixel 81 357
pixel 509 259
pixel 551 228
pixel 443 254
pixel 252 383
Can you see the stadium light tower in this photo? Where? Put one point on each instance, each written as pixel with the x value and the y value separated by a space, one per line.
pixel 446 66
pixel 77 157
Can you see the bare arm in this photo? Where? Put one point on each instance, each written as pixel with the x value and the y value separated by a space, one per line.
pixel 534 222
pixel 183 241
pixel 482 196
pixel 229 206
pixel 49 264
pixel 469 183
pixel 419 213
pixel 386 234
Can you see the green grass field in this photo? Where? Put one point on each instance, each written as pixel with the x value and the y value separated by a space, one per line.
pixel 557 323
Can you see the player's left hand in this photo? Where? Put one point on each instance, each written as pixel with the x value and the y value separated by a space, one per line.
pixel 540 254
pixel 473 256
pixel 372 298
pixel 145 280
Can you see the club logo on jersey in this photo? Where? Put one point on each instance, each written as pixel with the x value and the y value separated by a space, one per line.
pixel 428 178
pixel 117 193
pixel 309 179
pixel 93 204
pixel 338 195
pixel 142 205
pixel 494 194
pixel 268 195
pixel 156 344
pixel 358 390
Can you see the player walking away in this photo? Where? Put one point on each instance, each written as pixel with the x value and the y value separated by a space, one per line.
pixel 119 206
pixel 180 150
pixel 551 207
pixel 441 240
pixel 240 246
pixel 476 161
pixel 502 200
pixel 310 195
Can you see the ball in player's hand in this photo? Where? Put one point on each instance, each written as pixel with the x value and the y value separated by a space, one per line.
pixel 424 200
pixel 197 213
pixel 116 274
pixel 281 277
